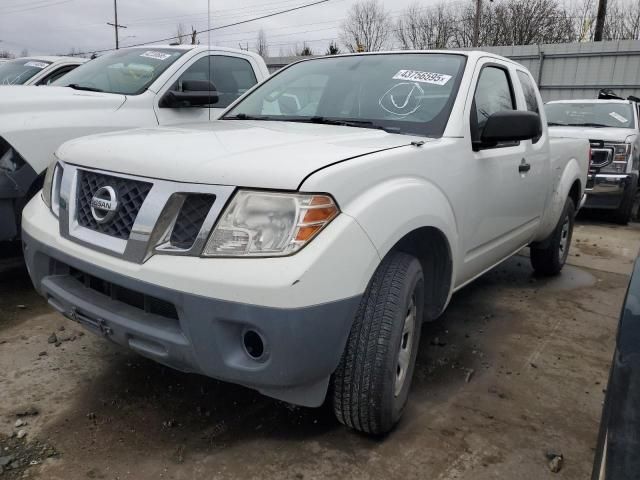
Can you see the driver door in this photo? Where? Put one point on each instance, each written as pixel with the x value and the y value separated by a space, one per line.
pixel 231 75
pixel 494 226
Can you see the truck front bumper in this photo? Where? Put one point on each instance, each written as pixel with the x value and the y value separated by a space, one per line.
pixel 14 193
pixel 606 191
pixel 282 334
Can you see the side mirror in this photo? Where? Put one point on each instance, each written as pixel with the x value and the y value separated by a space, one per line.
pixel 195 93
pixel 511 126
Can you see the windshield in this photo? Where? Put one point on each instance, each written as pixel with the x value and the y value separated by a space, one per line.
pixel 401 93
pixel 17 72
pixel 590 114
pixel 128 72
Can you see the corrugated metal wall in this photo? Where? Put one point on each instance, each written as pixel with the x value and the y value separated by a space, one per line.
pixel 572 70
pixel 580 70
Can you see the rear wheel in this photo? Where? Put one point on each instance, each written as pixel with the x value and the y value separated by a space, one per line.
pixel 550 259
pixel 372 382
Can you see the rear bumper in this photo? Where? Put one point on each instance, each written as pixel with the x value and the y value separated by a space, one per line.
pixel 606 191
pixel 302 346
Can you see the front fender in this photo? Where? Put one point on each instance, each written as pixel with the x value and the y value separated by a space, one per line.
pixel 396 207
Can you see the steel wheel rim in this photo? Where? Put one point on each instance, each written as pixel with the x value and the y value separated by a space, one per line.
pixel 406 346
pixel 564 241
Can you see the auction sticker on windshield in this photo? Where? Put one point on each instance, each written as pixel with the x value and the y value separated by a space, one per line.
pixel 36 64
pixel 155 55
pixel 618 117
pixel 423 77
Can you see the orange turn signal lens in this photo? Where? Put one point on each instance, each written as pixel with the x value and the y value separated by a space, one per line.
pixel 319 212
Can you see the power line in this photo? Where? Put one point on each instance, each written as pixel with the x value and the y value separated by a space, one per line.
pixel 36 7
pixel 299 7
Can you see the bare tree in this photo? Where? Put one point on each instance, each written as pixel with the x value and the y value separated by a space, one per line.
pixel 304 51
pixel 419 28
pixel 181 35
pixel 24 52
pixel 262 47
pixel 6 54
pixel 194 36
pixel 367 27
pixel 333 49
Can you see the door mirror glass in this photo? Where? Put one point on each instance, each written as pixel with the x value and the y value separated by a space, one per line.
pixel 194 93
pixel 511 126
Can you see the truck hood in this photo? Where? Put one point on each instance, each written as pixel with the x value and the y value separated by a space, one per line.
pixel 34 100
pixel 259 154
pixel 590 133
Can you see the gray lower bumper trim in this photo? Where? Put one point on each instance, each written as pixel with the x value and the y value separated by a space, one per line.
pixel 302 346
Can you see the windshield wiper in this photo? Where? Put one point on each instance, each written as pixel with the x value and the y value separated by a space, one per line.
pixel 244 116
pixel 595 125
pixel 351 123
pixel 76 86
pixel 555 124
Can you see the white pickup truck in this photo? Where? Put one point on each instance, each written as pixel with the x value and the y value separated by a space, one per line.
pixel 136 87
pixel 42 70
pixel 304 237
pixel 613 128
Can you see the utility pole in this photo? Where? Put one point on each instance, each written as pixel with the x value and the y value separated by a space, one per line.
pixel 115 24
pixel 602 15
pixel 476 23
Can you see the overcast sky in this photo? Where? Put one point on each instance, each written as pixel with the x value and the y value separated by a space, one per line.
pixel 57 26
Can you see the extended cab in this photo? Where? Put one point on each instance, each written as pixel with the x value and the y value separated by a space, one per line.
pixel 136 87
pixel 304 237
pixel 37 70
pixel 612 127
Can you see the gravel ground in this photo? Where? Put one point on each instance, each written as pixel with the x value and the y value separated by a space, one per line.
pixel 512 375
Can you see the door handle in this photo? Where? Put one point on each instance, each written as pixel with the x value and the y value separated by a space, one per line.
pixel 524 167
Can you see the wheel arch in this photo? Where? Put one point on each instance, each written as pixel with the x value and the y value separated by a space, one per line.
pixel 431 247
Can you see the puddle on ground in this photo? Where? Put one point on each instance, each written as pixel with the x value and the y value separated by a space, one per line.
pixel 570 278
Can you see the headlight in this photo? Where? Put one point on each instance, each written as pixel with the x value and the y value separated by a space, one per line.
pixel 51 187
pixel 621 154
pixel 10 160
pixel 264 224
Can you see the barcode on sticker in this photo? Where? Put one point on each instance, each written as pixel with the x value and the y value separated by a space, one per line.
pixel 155 55
pixel 36 64
pixel 423 77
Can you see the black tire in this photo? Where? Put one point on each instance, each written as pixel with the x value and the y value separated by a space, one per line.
pixel 624 212
pixel 364 385
pixel 549 257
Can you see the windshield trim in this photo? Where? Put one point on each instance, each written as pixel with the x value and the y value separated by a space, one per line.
pixel 448 106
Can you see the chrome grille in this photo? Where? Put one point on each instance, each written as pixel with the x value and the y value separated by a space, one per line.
pixel 149 210
pixel 131 195
pixel 192 215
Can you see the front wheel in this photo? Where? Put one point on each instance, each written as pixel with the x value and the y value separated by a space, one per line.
pixel 371 384
pixel 550 259
pixel 624 214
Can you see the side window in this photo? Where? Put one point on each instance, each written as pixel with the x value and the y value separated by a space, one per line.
pixel 529 90
pixel 493 94
pixel 232 77
pixel 530 97
pixel 59 73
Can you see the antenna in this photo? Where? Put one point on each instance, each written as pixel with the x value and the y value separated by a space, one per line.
pixel 209 50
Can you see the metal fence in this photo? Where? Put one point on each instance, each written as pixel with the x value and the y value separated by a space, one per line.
pixel 565 71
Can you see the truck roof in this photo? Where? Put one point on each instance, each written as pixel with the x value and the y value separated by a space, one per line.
pixel 472 54
pixel 196 48
pixel 590 100
pixel 53 58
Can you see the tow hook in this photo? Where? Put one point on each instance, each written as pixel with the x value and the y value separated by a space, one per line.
pixel 97 323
